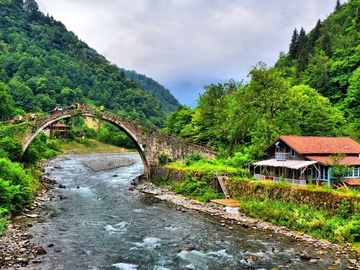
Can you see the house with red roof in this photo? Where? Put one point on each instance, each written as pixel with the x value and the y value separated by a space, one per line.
pixel 306 159
pixel 60 130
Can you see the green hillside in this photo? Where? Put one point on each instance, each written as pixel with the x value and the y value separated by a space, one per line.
pixel 42 65
pixel 155 89
pixel 328 60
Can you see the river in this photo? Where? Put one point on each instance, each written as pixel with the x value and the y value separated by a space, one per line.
pixel 102 224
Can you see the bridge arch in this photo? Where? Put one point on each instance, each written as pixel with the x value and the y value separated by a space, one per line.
pixel 149 142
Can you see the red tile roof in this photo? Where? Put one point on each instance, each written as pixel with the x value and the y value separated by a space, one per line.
pixel 60 125
pixel 352 182
pixel 326 160
pixel 311 145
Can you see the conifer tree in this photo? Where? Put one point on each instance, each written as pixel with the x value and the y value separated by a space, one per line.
pixel 303 54
pixel 301 42
pixel 315 34
pixel 337 6
pixel 293 44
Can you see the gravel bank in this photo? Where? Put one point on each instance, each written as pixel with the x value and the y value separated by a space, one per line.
pixel 108 163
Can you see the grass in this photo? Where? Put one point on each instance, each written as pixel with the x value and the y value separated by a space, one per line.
pixel 89 146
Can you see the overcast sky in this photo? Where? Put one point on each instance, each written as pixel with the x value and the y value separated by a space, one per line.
pixel 187 44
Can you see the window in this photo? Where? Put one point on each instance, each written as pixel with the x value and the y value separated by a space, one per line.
pixel 277 149
pixel 292 153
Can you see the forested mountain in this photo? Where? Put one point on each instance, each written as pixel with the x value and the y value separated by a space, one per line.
pixel 155 89
pixel 312 90
pixel 328 60
pixel 42 65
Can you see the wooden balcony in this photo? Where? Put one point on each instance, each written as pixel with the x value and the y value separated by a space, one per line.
pixel 280 156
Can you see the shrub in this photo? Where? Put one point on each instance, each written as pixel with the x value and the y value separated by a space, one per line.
pixel 12 148
pixel 194 188
pixel 163 159
pixel 344 209
pixel 192 159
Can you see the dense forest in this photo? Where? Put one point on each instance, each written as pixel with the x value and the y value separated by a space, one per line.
pixel 42 65
pixel 313 89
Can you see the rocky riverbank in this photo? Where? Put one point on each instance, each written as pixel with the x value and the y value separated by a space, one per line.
pixel 17 250
pixel 230 217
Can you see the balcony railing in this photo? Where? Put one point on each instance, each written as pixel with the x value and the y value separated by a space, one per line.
pixel 279 156
pixel 291 181
pixel 298 182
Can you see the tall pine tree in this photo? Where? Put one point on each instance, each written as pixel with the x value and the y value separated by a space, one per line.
pixel 293 45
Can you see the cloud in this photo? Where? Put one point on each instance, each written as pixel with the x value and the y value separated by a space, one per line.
pixel 186 44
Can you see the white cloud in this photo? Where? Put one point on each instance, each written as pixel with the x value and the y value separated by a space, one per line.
pixel 186 44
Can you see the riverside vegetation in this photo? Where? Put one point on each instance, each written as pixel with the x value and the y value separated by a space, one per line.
pixel 264 200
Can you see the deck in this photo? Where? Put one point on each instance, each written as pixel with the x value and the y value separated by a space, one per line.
pixel 227 202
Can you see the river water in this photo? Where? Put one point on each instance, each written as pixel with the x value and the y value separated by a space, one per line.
pixel 104 225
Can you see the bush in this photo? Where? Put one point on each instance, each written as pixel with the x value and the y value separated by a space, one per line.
pixel 14 185
pixel 163 159
pixel 12 148
pixel 192 159
pixel 344 210
pixel 53 144
pixel 194 188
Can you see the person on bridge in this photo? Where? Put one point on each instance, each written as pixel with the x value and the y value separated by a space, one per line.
pixel 56 110
pixel 83 106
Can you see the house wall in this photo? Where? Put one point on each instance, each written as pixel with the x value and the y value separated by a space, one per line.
pixel 282 147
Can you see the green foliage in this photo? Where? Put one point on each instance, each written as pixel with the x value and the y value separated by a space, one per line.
pixel 7 103
pixel 338 169
pixel 318 223
pixel 11 148
pixel 15 185
pixel 179 122
pixel 153 88
pixel 163 159
pixel 190 160
pixel 40 148
pixel 344 210
pixel 196 189
pixel 111 134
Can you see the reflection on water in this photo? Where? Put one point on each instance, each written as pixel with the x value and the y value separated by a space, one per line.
pixel 104 225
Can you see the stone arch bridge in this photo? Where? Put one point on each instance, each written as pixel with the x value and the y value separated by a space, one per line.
pixel 149 142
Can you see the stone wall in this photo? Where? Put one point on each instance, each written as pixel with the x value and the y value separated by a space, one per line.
pixel 162 172
pixel 317 197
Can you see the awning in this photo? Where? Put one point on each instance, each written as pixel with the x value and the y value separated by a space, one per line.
pixel 292 164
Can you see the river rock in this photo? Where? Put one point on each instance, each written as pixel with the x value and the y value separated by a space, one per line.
pixel 39 250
